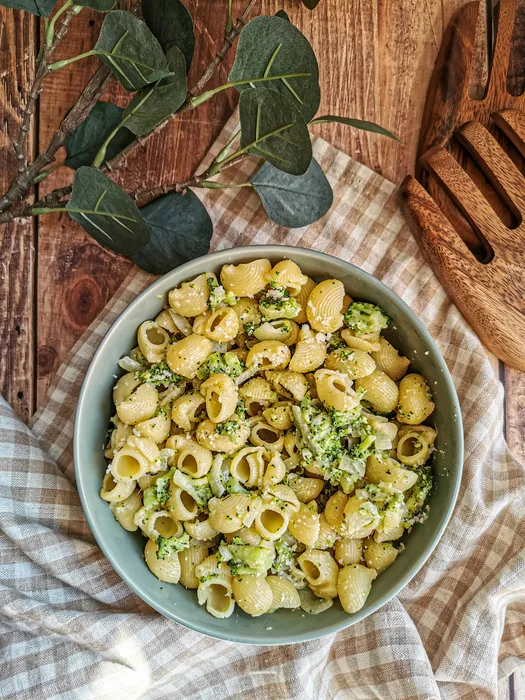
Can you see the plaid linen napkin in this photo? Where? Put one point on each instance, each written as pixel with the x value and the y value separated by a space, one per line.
pixel 71 628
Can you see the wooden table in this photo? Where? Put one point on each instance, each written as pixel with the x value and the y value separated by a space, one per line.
pixel 375 57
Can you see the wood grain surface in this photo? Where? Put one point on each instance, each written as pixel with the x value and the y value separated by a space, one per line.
pixel 376 58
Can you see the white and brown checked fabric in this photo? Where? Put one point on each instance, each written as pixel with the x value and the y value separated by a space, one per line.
pixel 70 628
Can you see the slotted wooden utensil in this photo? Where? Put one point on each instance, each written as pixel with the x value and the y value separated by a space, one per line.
pixel 467 206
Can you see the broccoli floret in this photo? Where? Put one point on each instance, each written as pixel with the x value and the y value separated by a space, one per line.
pixel 159 374
pixel 335 342
pixel 277 303
pixel 241 410
pixel 246 559
pixel 362 317
pixel 249 327
pixel 162 485
pixel 170 545
pixel 344 421
pixel 284 556
pixel 216 363
pixel 230 428
pixel 416 496
pixel 363 449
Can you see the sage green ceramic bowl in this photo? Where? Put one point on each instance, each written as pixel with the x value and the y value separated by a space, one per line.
pixel 124 550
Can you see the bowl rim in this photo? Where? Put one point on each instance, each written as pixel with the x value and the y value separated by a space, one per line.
pixel 416 564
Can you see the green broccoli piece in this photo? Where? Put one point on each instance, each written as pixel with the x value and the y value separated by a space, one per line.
pixel 344 421
pixel 159 374
pixel 230 428
pixel 249 327
pixel 335 342
pixel 216 363
pixel 416 496
pixel 246 559
pixel 162 485
pixel 284 556
pixel 277 303
pixel 170 545
pixel 362 317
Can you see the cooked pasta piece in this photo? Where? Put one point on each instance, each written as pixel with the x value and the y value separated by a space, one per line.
pixel 354 585
pixel 264 435
pixel 113 491
pixel 415 400
pixel 389 361
pixel 379 555
pixel 310 352
pixel 188 409
pixel 191 298
pixel 167 569
pixel 191 457
pixel 304 525
pixel 187 355
pixel 287 274
pixel 153 341
pixel 284 593
pixel 268 354
pixel 335 390
pixel 321 572
pixel 279 415
pixel 221 397
pixel 323 308
pixel 368 342
pixel 221 325
pixel 291 385
pixel 386 469
pixel 189 559
pixel 354 363
pixel 284 330
pixel 380 391
pixel 223 437
pixel 252 594
pixel 306 489
pixel 246 279
pixel 125 511
pixel 302 299
pixel 247 466
pixel 348 550
pixel 139 405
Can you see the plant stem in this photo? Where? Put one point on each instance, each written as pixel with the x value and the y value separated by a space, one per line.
pixel 229 19
pixel 196 101
pixel 67 61
pixel 195 181
pixel 121 158
pixel 25 175
pixel 212 185
pixel 46 173
pixel 38 211
pixel 50 27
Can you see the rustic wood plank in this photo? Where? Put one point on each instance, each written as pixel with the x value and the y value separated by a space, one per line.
pixel 18 40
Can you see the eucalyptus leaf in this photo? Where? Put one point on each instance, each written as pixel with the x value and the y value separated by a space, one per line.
pixel 154 103
pixel 42 8
pixel 273 46
pixel 130 51
pixel 311 4
pixel 83 144
pixel 97 5
pixel 290 200
pixel 172 25
pixel 273 128
pixel 181 230
pixel 282 14
pixel 356 123
pixel 106 212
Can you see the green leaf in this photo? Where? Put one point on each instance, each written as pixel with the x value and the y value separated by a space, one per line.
pixel 311 4
pixel 106 212
pixel 273 46
pixel 273 128
pixel 357 123
pixel 83 144
pixel 282 14
pixel 97 5
pixel 172 25
pixel 154 103
pixel 42 8
pixel 181 230
pixel 290 200
pixel 130 51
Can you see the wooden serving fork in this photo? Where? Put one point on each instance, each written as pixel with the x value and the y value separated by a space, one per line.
pixel 467 206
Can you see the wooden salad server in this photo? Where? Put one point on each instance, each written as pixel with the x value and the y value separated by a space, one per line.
pixel 466 206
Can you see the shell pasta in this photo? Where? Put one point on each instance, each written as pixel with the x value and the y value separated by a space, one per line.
pixel 270 444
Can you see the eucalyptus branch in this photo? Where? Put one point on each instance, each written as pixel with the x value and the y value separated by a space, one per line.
pixel 121 158
pixel 202 180
pixel 23 179
pixel 85 103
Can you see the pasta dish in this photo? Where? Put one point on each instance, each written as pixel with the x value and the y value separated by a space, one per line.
pixel 269 442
